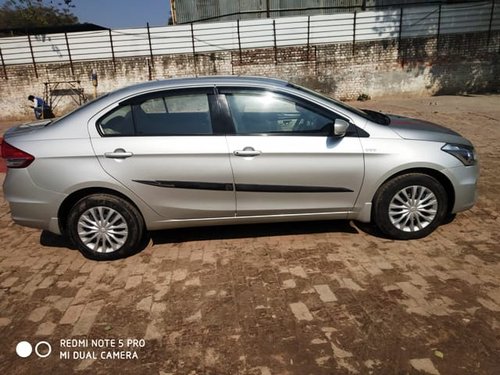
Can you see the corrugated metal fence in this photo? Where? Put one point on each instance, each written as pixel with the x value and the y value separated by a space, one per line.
pixel 228 10
pixel 292 31
pixel 187 11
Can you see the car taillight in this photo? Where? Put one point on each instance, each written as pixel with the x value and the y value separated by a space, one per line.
pixel 14 157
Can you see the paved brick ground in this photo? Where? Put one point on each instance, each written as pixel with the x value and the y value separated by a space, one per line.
pixel 307 298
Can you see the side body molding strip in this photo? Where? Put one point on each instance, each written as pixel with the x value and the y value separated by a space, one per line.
pixel 243 187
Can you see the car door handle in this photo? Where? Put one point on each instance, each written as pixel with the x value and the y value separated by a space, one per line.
pixel 247 151
pixel 119 153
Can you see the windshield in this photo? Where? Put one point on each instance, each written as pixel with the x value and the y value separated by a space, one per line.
pixel 374 116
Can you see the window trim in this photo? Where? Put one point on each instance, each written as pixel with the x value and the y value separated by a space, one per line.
pixel 141 98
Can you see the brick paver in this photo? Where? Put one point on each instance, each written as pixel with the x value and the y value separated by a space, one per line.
pixel 293 298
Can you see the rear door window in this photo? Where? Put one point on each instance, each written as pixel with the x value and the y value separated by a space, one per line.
pixel 119 122
pixel 187 114
pixel 171 114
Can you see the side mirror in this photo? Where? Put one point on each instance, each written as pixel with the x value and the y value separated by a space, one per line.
pixel 340 128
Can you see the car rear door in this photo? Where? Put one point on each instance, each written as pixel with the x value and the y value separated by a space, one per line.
pixel 284 159
pixel 169 150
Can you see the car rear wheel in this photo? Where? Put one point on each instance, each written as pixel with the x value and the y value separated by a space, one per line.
pixel 410 206
pixel 105 227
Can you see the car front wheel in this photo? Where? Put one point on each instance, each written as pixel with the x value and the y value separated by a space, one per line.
pixel 410 206
pixel 105 227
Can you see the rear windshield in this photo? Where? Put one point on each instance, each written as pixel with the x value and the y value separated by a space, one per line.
pixel 78 109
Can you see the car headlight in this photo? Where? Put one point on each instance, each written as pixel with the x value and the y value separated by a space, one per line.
pixel 465 154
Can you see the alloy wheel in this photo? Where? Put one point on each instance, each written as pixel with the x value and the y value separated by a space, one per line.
pixel 413 208
pixel 102 229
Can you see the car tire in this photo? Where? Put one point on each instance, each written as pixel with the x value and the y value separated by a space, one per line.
pixel 105 227
pixel 410 206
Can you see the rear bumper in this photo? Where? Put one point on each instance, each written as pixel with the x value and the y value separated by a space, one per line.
pixel 30 205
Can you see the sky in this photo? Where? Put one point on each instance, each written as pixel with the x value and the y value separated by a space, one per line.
pixel 119 14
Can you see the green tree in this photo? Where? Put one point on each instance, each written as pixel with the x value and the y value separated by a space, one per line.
pixel 36 13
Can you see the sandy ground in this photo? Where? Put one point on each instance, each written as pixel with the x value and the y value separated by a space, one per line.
pixel 303 298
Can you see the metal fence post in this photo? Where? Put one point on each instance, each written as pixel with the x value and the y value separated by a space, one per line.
pixel 239 39
pixel 491 23
pixel 275 44
pixel 3 65
pixel 194 51
pixel 308 35
pixel 354 33
pixel 69 54
pixel 112 49
pixel 400 31
pixel 32 55
pixel 150 46
pixel 438 30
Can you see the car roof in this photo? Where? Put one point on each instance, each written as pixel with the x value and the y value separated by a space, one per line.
pixel 201 81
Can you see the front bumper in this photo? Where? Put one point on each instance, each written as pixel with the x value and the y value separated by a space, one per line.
pixel 464 180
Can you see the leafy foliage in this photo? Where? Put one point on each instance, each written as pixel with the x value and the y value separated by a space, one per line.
pixel 36 13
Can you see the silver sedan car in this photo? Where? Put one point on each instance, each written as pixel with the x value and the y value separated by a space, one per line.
pixel 230 150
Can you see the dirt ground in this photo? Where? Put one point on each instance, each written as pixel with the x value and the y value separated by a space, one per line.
pixel 302 298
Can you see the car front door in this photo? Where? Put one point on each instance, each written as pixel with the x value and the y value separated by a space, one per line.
pixel 285 159
pixel 167 149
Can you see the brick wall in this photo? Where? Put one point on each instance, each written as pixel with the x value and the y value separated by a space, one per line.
pixel 450 64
